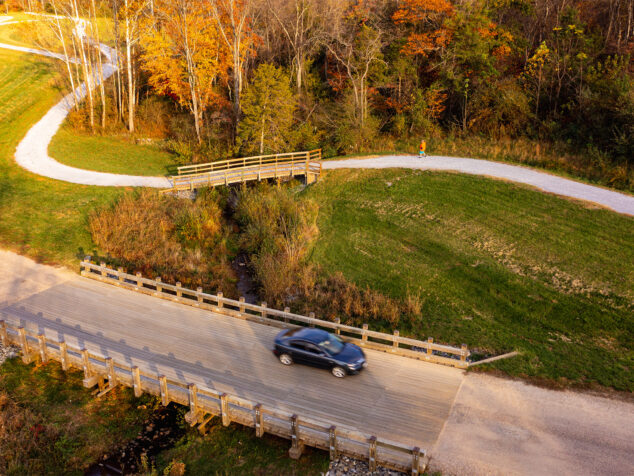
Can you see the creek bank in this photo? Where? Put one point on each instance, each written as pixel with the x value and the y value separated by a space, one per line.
pixel 345 466
pixel 160 432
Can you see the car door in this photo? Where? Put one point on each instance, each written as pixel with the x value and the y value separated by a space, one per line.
pixel 298 351
pixel 316 356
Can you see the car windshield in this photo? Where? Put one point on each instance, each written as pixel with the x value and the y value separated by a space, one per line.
pixel 333 344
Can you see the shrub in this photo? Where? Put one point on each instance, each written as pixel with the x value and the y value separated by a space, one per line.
pixel 163 235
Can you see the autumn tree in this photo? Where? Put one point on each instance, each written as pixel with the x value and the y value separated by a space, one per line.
pixel 184 56
pixel 132 12
pixel 268 106
pixel 301 23
pixel 356 44
pixel 424 19
pixel 234 23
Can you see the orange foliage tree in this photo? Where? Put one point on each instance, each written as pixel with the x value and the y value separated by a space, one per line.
pixel 184 56
pixel 425 17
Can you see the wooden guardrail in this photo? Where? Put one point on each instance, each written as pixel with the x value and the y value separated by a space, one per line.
pixel 225 172
pixel 392 343
pixel 204 403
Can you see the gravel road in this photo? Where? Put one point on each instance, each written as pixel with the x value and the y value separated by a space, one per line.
pixel 506 427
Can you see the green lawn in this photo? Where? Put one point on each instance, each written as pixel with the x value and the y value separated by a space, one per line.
pixel 116 155
pixel 42 218
pixel 498 266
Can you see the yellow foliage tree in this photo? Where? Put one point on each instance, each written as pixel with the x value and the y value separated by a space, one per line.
pixel 184 56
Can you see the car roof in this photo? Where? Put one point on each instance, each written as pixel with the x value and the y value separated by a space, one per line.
pixel 308 334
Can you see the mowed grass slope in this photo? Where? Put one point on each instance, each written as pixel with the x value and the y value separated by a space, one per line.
pixel 115 155
pixel 42 218
pixel 498 266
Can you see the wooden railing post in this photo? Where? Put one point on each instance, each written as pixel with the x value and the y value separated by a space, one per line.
pixel 120 274
pixel 264 313
pixel 337 321
pixel 430 341
pixel 104 273
pixel 24 345
pixel 332 442
pixel 136 381
pixel 159 287
pixel 312 316
pixel 163 390
pixel 395 341
pixel 241 304
pixel 112 374
pixel 4 334
pixel 364 334
pixel 297 447
pixel 199 294
pixel 41 339
pixel 259 421
pixel 219 301
pixel 463 353
pixel 193 400
pixel 139 285
pixel 372 454
pixel 85 358
pixel 287 310
pixel 416 461
pixel 63 355
pixel 224 410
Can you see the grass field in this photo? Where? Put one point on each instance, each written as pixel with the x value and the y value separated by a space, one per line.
pixel 116 155
pixel 497 266
pixel 42 218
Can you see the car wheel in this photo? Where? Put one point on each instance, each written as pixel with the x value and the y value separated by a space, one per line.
pixel 286 359
pixel 339 372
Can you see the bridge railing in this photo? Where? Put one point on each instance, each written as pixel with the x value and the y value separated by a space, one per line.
pixel 226 172
pixel 254 161
pixel 392 343
pixel 204 403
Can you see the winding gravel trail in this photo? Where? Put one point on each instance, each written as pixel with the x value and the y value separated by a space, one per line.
pixel 32 154
pixel 32 151
pixel 619 202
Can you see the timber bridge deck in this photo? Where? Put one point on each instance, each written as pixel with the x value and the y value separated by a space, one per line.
pixel 214 355
pixel 245 169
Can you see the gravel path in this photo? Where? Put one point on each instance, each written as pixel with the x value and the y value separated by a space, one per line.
pixel 32 152
pixel 506 427
pixel 616 201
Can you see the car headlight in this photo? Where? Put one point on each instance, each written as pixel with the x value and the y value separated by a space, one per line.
pixel 351 366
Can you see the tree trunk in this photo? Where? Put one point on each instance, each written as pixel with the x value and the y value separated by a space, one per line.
pixel 131 100
pixel 102 86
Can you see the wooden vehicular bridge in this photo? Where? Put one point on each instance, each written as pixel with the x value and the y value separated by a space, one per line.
pixel 245 169
pixel 212 354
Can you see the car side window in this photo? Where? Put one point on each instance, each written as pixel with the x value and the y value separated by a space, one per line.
pixel 298 345
pixel 313 349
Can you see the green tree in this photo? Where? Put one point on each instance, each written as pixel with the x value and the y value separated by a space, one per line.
pixel 268 107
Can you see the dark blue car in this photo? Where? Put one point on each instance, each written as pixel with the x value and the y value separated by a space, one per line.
pixel 320 349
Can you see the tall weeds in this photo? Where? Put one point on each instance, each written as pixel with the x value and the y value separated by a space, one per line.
pixel 278 229
pixel 178 240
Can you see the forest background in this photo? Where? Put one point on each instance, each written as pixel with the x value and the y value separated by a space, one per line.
pixel 543 82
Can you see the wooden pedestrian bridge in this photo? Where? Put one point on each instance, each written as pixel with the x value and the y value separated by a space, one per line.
pixel 305 164
pixel 213 354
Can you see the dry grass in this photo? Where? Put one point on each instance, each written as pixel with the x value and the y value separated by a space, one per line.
pixel 176 239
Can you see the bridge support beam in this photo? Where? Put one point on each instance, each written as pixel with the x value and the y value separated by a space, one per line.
pixel 297 446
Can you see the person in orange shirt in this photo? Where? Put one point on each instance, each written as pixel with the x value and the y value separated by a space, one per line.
pixel 421 149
